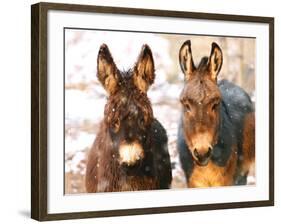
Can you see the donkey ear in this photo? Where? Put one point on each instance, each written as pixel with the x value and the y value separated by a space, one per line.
pixel 107 72
pixel 215 61
pixel 144 69
pixel 186 60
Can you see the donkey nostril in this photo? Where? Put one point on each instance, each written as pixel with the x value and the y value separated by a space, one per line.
pixel 196 153
pixel 209 151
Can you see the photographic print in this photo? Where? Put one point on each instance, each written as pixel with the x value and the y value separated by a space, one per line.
pixel 148 111
pixel 140 111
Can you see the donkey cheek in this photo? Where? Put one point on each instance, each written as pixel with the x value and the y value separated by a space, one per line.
pixel 188 141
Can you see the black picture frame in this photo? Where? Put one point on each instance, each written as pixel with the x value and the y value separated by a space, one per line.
pixel 39 108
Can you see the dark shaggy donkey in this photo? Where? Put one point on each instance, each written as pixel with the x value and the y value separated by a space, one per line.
pixel 130 151
pixel 216 137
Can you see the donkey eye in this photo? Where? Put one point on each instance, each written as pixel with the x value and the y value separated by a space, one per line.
pixel 215 106
pixel 141 121
pixel 116 125
pixel 187 108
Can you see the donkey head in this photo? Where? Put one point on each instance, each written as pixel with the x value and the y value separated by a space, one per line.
pixel 200 100
pixel 128 113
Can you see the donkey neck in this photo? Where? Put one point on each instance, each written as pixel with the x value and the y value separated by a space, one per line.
pixel 226 138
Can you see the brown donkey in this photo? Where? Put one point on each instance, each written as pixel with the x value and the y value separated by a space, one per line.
pixel 216 137
pixel 130 151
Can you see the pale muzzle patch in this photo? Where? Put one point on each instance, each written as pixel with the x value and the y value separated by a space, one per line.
pixel 130 153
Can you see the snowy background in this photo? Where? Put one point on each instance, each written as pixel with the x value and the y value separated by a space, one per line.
pixel 85 98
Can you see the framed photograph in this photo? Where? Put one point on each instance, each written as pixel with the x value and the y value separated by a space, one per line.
pixel 139 111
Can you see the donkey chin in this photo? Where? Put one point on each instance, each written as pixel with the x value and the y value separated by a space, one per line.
pixel 130 154
pixel 202 162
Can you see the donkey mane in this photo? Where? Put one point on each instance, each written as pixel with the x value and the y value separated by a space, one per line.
pixel 126 73
pixel 203 63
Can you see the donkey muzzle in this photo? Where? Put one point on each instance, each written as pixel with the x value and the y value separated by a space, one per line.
pixel 130 153
pixel 202 156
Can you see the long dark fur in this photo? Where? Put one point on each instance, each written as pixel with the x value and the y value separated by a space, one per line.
pixel 128 117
